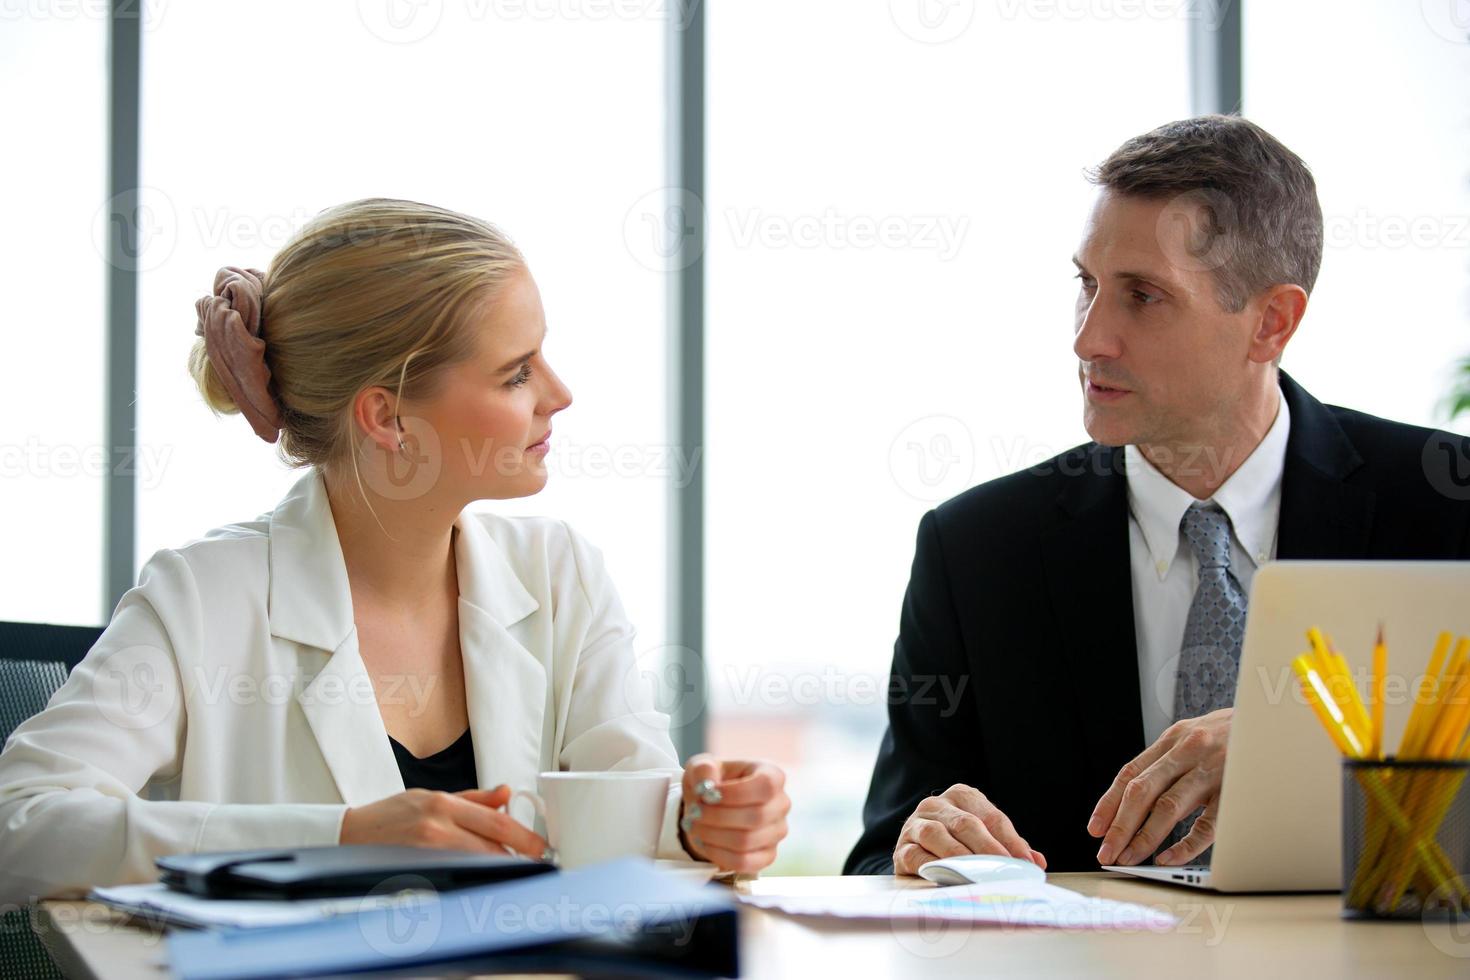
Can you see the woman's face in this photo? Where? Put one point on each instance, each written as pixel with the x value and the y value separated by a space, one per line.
pixel 489 424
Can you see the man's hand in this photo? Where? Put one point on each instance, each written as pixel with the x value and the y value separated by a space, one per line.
pixel 958 821
pixel 1169 781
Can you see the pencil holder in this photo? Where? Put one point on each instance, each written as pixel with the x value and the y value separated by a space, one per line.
pixel 1405 839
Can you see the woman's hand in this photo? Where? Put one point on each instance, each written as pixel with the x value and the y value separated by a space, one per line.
pixel 738 823
pixel 471 820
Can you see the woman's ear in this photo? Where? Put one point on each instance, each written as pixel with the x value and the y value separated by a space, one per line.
pixel 372 411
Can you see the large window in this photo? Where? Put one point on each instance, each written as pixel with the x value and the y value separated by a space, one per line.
pixel 893 191
pixel 53 179
pixel 894 194
pixel 1390 152
pixel 550 126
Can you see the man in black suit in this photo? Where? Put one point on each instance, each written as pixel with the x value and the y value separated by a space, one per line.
pixel 1094 603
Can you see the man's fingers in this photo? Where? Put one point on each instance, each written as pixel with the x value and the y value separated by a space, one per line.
pixel 1005 832
pixel 968 829
pixel 909 857
pixel 1139 796
pixel 1201 835
pixel 992 834
pixel 934 837
pixel 1172 806
pixel 1107 807
pixel 956 822
pixel 959 795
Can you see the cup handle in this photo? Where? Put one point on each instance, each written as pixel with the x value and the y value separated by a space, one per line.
pixel 539 805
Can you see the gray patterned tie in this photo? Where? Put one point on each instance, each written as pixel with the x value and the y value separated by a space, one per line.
pixel 1210 655
pixel 1209 658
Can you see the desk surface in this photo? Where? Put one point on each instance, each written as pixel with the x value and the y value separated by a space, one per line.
pixel 1218 935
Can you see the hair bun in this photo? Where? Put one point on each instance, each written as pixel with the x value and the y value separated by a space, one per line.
pixel 229 320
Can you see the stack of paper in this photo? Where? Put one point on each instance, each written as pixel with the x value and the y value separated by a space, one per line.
pixel 1012 903
pixel 159 904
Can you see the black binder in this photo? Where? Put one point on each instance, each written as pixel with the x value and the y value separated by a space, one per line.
pixel 336 871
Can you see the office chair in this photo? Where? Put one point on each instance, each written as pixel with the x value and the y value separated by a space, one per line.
pixel 35 659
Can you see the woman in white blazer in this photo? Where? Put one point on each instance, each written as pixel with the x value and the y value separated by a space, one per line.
pixel 273 682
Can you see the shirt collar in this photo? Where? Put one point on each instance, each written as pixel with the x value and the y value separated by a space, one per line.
pixel 1251 498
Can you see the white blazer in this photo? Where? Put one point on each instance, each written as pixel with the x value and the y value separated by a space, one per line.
pixel 226 705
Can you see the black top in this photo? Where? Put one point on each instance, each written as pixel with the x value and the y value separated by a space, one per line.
pixel 1016 665
pixel 451 769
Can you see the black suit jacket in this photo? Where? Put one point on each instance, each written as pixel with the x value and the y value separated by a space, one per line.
pixel 1021 590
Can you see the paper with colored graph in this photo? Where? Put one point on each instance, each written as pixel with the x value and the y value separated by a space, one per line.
pixel 994 903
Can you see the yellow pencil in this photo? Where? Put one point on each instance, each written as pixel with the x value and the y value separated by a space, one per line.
pixel 1344 690
pixel 1380 669
pixel 1422 698
pixel 1434 734
pixel 1328 712
pixel 1434 711
pixel 1400 846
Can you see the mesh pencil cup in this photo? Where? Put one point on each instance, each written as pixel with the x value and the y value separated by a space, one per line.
pixel 1406 839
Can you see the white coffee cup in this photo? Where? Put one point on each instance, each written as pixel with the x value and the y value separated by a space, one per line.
pixel 598 816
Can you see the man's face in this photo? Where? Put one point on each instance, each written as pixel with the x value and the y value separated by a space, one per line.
pixel 1161 363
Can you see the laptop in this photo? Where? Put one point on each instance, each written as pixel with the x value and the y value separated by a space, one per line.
pixel 1280 819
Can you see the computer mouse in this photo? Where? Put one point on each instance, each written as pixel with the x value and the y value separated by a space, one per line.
pixel 975 869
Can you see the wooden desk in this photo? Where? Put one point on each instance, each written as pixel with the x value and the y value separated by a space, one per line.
pixel 1299 936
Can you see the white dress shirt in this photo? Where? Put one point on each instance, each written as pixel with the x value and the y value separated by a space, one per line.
pixel 227 706
pixel 1165 569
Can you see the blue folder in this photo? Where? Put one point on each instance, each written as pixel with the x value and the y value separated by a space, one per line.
pixel 624 914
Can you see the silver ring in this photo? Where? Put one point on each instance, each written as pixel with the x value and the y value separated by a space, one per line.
pixel 707 791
